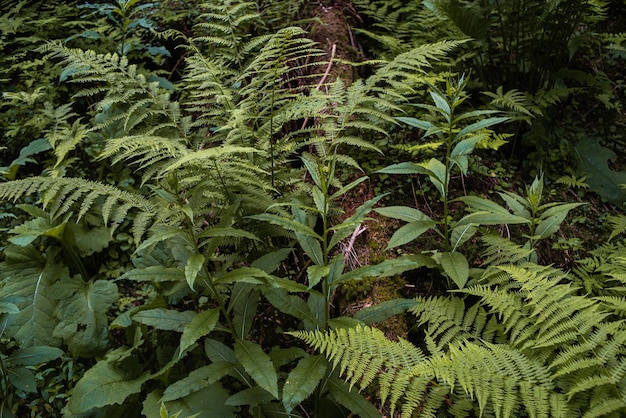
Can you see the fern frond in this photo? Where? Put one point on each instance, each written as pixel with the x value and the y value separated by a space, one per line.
pixel 63 194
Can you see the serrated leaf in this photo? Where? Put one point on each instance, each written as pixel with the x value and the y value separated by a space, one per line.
pixel 351 399
pixel 490 218
pixel 289 304
pixel 387 268
pixel 251 396
pixel 244 299
pixel 201 325
pixel 258 365
pixel 155 274
pixel 103 385
pixel 288 224
pixel 271 261
pixel 404 168
pixel 196 380
pixel 460 234
pixel 384 310
pixel 456 267
pixel 404 213
pixel 244 275
pixel 302 380
pixel 193 267
pixel 316 273
pixel 165 319
pixel 409 232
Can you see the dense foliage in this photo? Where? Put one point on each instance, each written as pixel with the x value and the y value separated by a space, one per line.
pixel 201 200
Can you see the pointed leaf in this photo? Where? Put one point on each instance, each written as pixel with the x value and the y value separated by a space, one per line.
pixel 351 399
pixel 289 304
pixel 404 213
pixel 416 123
pixel 197 379
pixel 288 224
pixel 258 365
pixel 23 379
pixel 384 310
pixel 165 319
pixel 490 218
pixel 460 235
pixel 32 356
pixel 193 267
pixel 271 261
pixel 316 273
pixel 456 267
pixel 387 268
pixel 481 124
pixel 409 232
pixel 302 380
pixel 201 325
pixel 403 168
pixel 155 274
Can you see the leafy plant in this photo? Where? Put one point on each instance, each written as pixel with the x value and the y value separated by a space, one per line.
pixel 458 142
pixel 531 345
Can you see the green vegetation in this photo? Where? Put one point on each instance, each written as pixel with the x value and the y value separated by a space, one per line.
pixel 197 199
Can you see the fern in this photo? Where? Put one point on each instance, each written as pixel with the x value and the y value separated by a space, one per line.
pixel 532 343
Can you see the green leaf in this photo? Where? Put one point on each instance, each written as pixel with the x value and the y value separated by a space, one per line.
pixel 387 268
pixel 155 274
pixel 251 396
pixel 351 399
pixel 460 234
pixel 316 273
pixel 289 304
pixel 103 385
pixel 244 299
pixel 456 267
pixel 384 310
pixel 404 168
pixel 193 267
pixel 490 218
pixel 404 213
pixel 481 124
pixel 593 161
pixel 258 365
pixel 23 379
pixel 82 309
pixel 25 274
pixel 196 380
pixel 302 380
pixel 465 146
pixel 165 319
pixel 345 189
pixel 271 261
pixel 288 224
pixel 201 325
pixel 550 225
pixel 32 356
pixel 208 402
pixel 437 174
pixel 409 232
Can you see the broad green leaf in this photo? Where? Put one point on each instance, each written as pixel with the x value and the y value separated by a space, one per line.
pixel 490 218
pixel 481 124
pixel 9 308
pixel 314 171
pixel 479 204
pixel 345 189
pixel 456 267
pixel 351 399
pixel 22 378
pixel 271 261
pixel 165 319
pixel 312 248
pixel 550 225
pixel 409 232
pixel 289 304
pixel 404 168
pixel 251 396
pixel 283 356
pixel 103 384
pixel 462 162
pixel 219 352
pixel 82 309
pixel 155 274
pixel 196 380
pixel 316 273
pixel 227 232
pixel 518 204
pixel 437 174
pixel 465 146
pixel 416 123
pixel 442 104
pixel 32 356
pixel 258 365
pixel 460 235
pixel 387 268
pixel 318 198
pixel 201 325
pixel 558 209
pixel 193 267
pixel 208 402
pixel 404 213
pixel 288 224
pixel 302 380
pixel 245 275
pixel 25 274
pixel 593 161
pixel 384 310
pixel 244 299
